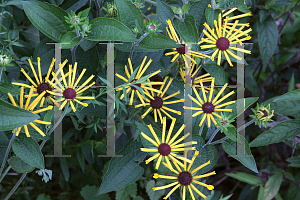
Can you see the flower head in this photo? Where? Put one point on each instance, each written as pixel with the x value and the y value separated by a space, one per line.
pixel 158 103
pixel 152 27
pixel 30 106
pixel 224 122
pixel 70 90
pixel 210 106
pixel 40 85
pixel 184 50
pixel 185 178
pixel 75 20
pixel 138 4
pixel 262 115
pixel 139 74
pixel 167 146
pixel 226 13
pixel 5 60
pixel 225 43
pixel 111 10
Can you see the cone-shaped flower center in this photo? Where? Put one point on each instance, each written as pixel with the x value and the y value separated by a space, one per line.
pixel 265 113
pixel 185 178
pixel 208 107
pixel 69 94
pixel 138 84
pixel 164 149
pixel 156 78
pixel 223 43
pixel 136 4
pixel 156 103
pixel 43 87
pixel 224 122
pixel 181 50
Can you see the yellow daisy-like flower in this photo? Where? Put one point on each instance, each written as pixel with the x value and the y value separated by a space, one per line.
pixel 31 106
pixel 181 50
pixel 40 85
pixel 223 42
pixel 157 102
pixel 70 91
pixel 185 178
pixel 139 74
pixel 210 106
pixel 165 147
pixel 226 13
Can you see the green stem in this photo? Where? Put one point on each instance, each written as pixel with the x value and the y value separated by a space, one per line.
pixel 41 146
pixel 213 135
pixel 136 43
pixel 213 4
pixel 151 2
pixel 1 70
pixel 4 173
pixel 171 65
pixel 7 151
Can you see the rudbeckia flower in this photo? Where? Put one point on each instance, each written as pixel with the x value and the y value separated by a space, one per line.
pixel 70 91
pixel 31 106
pixel 157 102
pixel 210 106
pixel 262 115
pixel 166 147
pixel 224 43
pixel 185 178
pixel 139 74
pixel 40 85
pixel 181 50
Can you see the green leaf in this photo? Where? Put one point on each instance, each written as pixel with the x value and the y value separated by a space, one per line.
pixel 263 14
pixel 9 88
pixel 48 18
pixel 267 39
pixel 3 145
pixel 198 11
pixel 123 171
pixel 106 29
pixel 278 133
pixel 294 95
pixel 232 4
pixel 72 38
pixel 19 165
pixel 164 12
pixel 212 15
pixel 87 44
pixel 28 150
pixel 247 178
pixel 187 29
pixel 154 195
pixel 126 192
pixel 73 5
pixel 80 158
pixel 12 117
pixel 295 161
pixel 292 84
pixel 206 153
pixel 272 186
pixel 245 157
pixel 242 104
pixel 48 116
pixel 217 72
pixel 89 193
pixel 43 197
pixel 260 193
pixel 64 168
pixel 231 133
pixel 128 13
pixel 157 42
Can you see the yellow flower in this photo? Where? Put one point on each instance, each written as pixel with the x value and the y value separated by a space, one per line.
pixel 139 74
pixel 210 106
pixel 157 102
pixel 224 43
pixel 40 85
pixel 68 91
pixel 165 147
pixel 226 13
pixel 185 178
pixel 31 106
pixel 181 50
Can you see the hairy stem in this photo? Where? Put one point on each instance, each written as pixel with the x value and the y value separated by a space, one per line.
pixel 136 43
pixel 213 135
pixel 7 151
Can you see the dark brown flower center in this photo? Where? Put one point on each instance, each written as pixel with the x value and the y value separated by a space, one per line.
pixel 181 50
pixel 164 149
pixel 208 107
pixel 156 78
pixel 152 26
pixel 265 113
pixel 43 87
pixel 69 94
pixel 157 103
pixel 224 122
pixel 185 178
pixel 138 84
pixel 223 43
